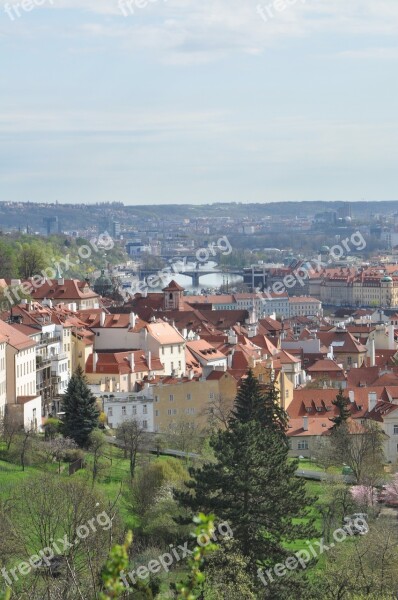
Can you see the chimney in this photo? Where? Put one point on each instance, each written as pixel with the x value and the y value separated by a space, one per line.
pixel 351 396
pixel 232 337
pixel 372 353
pixel 190 374
pixel 372 397
pixel 102 318
pixel 132 361
pixel 95 360
pixel 185 333
pixel 305 423
pixel 149 359
pixel 133 319
pixel 391 342
pixel 229 359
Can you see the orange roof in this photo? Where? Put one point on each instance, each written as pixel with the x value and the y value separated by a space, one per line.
pixel 164 333
pixel 173 287
pixel 119 363
pixel 325 365
pixel 16 338
pixel 205 350
pixel 70 289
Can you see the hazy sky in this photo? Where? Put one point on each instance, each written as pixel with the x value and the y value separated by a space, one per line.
pixel 198 100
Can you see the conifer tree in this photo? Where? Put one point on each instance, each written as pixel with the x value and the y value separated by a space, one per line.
pixel 251 484
pixel 252 403
pixel 79 406
pixel 342 403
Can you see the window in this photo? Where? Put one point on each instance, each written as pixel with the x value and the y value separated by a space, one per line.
pixel 110 412
pixel 145 410
pixel 211 396
pixel 395 429
pixel 349 360
pixel 156 413
pixel 172 366
pixel 303 445
pixel 124 410
pixel 169 411
pixel 156 398
pixel 171 349
pixel 134 410
pixel 171 398
pixel 145 424
pixel 189 396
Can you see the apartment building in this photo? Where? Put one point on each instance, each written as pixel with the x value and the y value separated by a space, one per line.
pixel 165 342
pixel 22 399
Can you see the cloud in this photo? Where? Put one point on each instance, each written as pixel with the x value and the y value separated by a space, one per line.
pixel 184 31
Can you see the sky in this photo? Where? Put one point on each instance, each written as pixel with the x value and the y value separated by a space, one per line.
pixel 198 101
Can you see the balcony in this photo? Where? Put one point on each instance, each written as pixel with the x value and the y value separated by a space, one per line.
pixel 42 363
pixel 59 356
pixel 46 340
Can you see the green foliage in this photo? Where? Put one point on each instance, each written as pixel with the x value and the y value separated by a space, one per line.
pixel 81 412
pixel 342 403
pixel 191 589
pixel 51 428
pixel 252 486
pixel 117 563
pixel 252 403
pixel 227 575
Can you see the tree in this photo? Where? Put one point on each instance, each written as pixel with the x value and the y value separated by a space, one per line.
pixel 218 412
pixel 97 446
pixel 342 403
pixel 74 527
pixel 227 576
pixel 335 503
pixel 31 260
pixel 185 435
pixel 133 437
pixel 391 491
pixel 7 261
pixel 365 497
pixel 56 449
pixel 252 403
pixel 361 568
pixel 81 413
pixel 360 446
pixel 252 486
pixel 10 426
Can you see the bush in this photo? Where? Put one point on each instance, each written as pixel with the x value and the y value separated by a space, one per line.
pixel 71 456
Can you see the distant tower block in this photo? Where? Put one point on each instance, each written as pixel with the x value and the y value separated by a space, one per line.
pixel 51 225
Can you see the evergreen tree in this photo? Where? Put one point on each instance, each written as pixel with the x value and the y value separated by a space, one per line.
pixel 252 403
pixel 342 403
pixel 252 486
pixel 79 406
